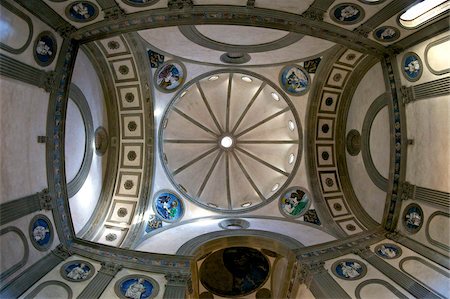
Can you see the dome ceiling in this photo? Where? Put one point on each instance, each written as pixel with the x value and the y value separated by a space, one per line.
pixel 240 142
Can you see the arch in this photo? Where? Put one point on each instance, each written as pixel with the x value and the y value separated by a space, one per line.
pixel 384 283
pixel 27 20
pixel 26 252
pixel 45 284
pixel 427 230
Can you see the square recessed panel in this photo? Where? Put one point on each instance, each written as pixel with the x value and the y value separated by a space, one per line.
pixel 130 97
pixel 337 77
pixel 114 46
pixel 132 155
pixel 122 211
pixel 112 236
pixel 329 102
pixel 350 226
pixel 325 128
pixel 329 182
pixel 132 126
pixel 337 206
pixel 325 155
pixel 123 70
pixel 350 58
pixel 129 183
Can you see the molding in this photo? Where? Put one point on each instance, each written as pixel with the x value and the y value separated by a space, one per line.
pixel 27 20
pixel 439 198
pixel 323 285
pixel 230 15
pixel 77 96
pixel 45 284
pixel 427 231
pixel 376 106
pixel 431 89
pixel 384 283
pixel 428 47
pixel 101 280
pixel 26 250
pixel 18 208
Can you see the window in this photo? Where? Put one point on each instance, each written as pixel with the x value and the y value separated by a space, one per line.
pixel 423 12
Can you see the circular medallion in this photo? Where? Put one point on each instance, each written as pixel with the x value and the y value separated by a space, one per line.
pixel 388 251
pixel 413 218
pixel 349 269
pixel 101 141
pixel 136 286
pixel 45 48
pixel 386 34
pixel 82 11
pixel 168 206
pixel 353 143
pixel 347 13
pixel 41 232
pixel 77 270
pixel 294 202
pixel 295 80
pixel 170 76
pixel 234 271
pixel 412 66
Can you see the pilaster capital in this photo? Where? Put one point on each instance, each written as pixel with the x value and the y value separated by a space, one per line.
pixel 407 94
pixel 313 14
pixel 110 268
pixel 363 251
pixel 113 13
pixel 62 252
pixel 47 81
pixel 363 30
pixel 394 236
pixel 406 190
pixel 180 4
pixel 65 30
pixel 45 200
pixel 178 279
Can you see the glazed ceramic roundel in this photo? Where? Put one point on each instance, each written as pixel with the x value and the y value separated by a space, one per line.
pixel 294 202
pixel 412 66
pixel 136 286
pixel 349 269
pixel 170 76
pixel 168 206
pixel 41 232
pixel 294 80
pixel 413 218
pixel 388 251
pixel 82 11
pixel 45 48
pixel 76 271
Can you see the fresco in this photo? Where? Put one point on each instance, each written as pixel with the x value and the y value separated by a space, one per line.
pixel 41 232
pixel 234 271
pixel 294 202
pixel 82 11
pixel 136 287
pixel 45 48
pixel 349 269
pixel 170 76
pixel 386 34
pixel 412 66
pixel 413 218
pixel 294 80
pixel 77 271
pixel 347 13
pixel 388 251
pixel 168 206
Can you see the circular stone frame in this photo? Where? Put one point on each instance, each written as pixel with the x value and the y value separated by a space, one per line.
pixel 62 270
pixel 363 266
pixel 155 284
pixel 241 223
pixel 93 17
pixel 305 72
pixel 394 38
pixel 357 20
pixel 157 194
pixel 405 56
pixel 55 43
pixel 182 80
pixel 389 244
pixel 353 142
pixel 50 228
pixel 308 205
pixel 143 4
pixel 416 230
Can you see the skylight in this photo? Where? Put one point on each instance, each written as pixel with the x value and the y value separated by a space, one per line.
pixel 423 12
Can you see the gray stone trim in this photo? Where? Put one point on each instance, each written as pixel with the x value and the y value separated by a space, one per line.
pixel 15 69
pixel 195 36
pixel 435 197
pixel 376 106
pixel 174 292
pixel 47 15
pixel 26 250
pixel 324 286
pixel 427 231
pixel 40 287
pixel 27 20
pixel 177 286
pixel 421 249
pixel 99 283
pixel 384 283
pixel 341 160
pixel 230 15
pixel 93 225
pixel 30 276
pixel 77 96
pixel 431 45
pixel 406 282
pixel 15 209
pixel 111 9
pixel 431 89
pixel 429 265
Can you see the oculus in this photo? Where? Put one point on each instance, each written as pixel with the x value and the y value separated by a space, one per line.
pixel 294 202
pixel 170 76
pixel 423 12
pixel 349 269
pixel 347 13
pixel 388 251
pixel 413 218
pixel 140 3
pixel 77 270
pixel 82 11
pixel 234 271
pixel 136 287
pixel 45 48
pixel 412 67
pixel 168 206
pixel 41 232
pixel 386 34
pixel 295 80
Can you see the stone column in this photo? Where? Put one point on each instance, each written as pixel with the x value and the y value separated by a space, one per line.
pixel 99 283
pixel 178 284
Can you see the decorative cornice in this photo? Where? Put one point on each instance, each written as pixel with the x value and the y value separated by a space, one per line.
pixel 178 279
pixel 110 269
pixel 314 14
pixel 407 94
pixel 45 200
pixel 113 13
pixel 180 4
pixel 406 190
pixel 62 252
